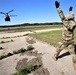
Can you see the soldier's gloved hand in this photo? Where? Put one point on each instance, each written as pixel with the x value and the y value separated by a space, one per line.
pixel 70 9
pixel 57 4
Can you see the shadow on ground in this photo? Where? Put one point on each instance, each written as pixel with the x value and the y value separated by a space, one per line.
pixel 66 53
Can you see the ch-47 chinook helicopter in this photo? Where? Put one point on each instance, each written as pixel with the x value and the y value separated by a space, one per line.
pixel 7 17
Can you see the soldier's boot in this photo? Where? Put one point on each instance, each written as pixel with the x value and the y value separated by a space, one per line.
pixel 74 65
pixel 54 58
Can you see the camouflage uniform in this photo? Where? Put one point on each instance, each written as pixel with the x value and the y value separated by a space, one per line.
pixel 67 35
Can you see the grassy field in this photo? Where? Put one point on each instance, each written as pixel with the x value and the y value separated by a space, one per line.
pixel 41 27
pixel 52 37
pixel 29 28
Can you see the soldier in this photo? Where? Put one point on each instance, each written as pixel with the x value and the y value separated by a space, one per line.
pixel 68 33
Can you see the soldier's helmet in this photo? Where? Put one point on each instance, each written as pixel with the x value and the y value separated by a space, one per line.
pixel 70 16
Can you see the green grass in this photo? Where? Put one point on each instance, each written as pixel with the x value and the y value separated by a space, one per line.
pixel 27 70
pixel 17 52
pixel 51 37
pixel 31 27
pixel 30 47
pixel 41 27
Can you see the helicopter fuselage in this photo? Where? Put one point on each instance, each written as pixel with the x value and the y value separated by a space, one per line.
pixel 7 18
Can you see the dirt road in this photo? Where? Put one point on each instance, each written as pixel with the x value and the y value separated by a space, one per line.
pixel 63 66
pixel 6 34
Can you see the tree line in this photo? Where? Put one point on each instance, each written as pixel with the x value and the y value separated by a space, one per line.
pixel 33 24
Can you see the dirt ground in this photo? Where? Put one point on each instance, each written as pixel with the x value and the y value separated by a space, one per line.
pixel 40 55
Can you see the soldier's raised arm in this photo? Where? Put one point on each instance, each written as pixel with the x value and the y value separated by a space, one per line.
pixel 60 12
pixel 71 16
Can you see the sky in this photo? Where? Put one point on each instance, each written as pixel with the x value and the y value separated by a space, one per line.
pixel 34 11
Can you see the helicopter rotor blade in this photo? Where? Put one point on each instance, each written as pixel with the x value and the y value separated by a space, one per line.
pixel 12 15
pixel 10 11
pixel 2 13
pixel 2 16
